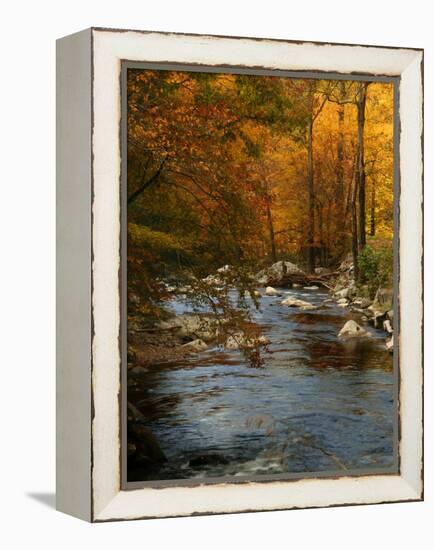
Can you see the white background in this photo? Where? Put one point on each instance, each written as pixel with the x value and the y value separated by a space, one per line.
pixel 27 229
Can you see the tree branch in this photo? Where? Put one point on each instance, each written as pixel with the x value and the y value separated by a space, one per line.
pixel 147 184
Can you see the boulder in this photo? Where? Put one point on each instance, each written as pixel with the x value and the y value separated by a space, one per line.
pixel 345 281
pixel 224 269
pixel 347 263
pixel 213 280
pixel 277 272
pixel 193 326
pixel 363 303
pixel 343 293
pixel 352 330
pixel 270 291
pixel 240 340
pixel 347 292
pixel 202 328
pixel 311 287
pixel 387 326
pixel 376 317
pixel 262 278
pixel 295 302
pixel 389 345
pixel 308 307
pixel 195 345
pixel 352 290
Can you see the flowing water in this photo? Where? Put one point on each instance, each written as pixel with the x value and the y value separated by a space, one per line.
pixel 319 404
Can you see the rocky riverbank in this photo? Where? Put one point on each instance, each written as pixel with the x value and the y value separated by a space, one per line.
pixel 342 289
pixel 183 335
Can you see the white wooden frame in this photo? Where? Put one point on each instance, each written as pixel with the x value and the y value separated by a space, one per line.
pixel 88 310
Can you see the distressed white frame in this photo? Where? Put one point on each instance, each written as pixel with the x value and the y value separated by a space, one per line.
pixel 106 499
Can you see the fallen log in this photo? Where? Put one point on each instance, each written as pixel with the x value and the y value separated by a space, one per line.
pixel 305 280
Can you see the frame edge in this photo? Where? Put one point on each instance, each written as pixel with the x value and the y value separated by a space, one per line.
pixel 73 275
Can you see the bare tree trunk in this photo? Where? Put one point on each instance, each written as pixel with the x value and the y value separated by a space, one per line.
pixel 314 112
pixel 373 198
pixel 354 236
pixel 271 232
pixel 340 191
pixel 328 232
pixel 323 248
pixel 361 105
pixel 352 198
pixel 311 202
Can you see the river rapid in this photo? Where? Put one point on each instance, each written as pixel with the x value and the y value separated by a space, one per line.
pixel 319 404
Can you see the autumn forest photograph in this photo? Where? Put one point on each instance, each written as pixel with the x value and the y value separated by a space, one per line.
pixel 259 287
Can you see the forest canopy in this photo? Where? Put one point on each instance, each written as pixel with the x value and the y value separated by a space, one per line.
pixel 247 170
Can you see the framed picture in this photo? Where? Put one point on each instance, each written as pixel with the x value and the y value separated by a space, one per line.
pixel 239 267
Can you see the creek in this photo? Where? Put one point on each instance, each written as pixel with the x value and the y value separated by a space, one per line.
pixel 319 404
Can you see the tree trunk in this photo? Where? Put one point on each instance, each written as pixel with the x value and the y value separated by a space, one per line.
pixel 372 231
pixel 323 247
pixel 340 191
pixel 340 153
pixel 311 202
pixel 361 105
pixel 354 236
pixel 271 232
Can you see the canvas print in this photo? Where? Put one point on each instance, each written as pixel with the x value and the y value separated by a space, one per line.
pixel 259 276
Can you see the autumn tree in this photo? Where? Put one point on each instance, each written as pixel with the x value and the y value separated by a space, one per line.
pixel 245 170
